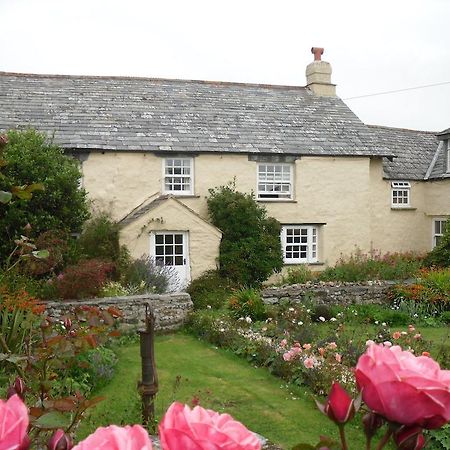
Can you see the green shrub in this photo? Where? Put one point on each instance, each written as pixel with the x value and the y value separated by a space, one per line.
pixel 440 255
pixel 100 239
pixel 247 302
pixel 96 367
pixel 250 250
pixel 298 275
pixel 210 289
pixel 319 311
pixel 445 317
pixel 30 159
pixel 373 266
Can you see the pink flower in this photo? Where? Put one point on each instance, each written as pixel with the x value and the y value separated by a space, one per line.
pixel 283 343
pixel 411 328
pixel 332 346
pixel 13 424
pixel 307 346
pixel 59 441
pixel 396 335
pixel 418 336
pixel 117 438
pixel 288 356
pixel 296 350
pixel 403 388
pixel 308 363
pixel 409 438
pixel 387 344
pixel 203 429
pixel 338 357
pixel 369 342
pixel 340 407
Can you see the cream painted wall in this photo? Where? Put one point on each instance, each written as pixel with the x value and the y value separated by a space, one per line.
pixel 400 230
pixel 348 195
pixel 204 239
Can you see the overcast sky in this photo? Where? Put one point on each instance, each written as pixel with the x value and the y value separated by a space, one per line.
pixel 373 46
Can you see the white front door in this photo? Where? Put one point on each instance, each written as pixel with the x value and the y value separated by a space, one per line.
pixel 170 249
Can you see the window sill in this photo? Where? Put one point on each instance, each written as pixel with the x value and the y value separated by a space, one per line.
pixel 275 200
pixel 181 195
pixel 303 263
pixel 403 208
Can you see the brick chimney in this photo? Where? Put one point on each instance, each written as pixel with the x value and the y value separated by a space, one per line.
pixel 318 75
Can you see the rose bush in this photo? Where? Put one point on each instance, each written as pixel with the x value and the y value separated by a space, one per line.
pixel 403 388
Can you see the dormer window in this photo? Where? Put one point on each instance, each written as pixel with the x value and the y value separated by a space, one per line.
pixel 401 195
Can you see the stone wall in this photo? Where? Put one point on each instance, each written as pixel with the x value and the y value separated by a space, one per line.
pixel 170 309
pixel 331 293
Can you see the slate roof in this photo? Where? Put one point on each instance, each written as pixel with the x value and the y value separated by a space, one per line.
pixel 143 114
pixel 414 152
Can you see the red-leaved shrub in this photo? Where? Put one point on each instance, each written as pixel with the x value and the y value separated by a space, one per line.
pixel 84 279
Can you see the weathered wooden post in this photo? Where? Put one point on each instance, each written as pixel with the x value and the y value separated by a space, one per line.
pixel 148 387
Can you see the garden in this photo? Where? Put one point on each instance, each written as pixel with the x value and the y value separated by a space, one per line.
pixel 301 374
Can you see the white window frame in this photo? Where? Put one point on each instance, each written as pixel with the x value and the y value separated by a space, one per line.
pixel 168 164
pixel 294 237
pixel 400 194
pixel 268 179
pixel 435 236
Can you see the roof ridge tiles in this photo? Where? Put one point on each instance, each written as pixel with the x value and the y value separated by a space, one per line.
pixel 402 129
pixel 156 79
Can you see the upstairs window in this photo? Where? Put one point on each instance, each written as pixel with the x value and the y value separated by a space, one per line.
pixel 178 176
pixel 401 195
pixel 275 181
pixel 439 226
pixel 299 243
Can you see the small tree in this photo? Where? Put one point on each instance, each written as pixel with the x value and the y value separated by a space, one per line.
pixel 440 255
pixel 250 250
pixel 29 160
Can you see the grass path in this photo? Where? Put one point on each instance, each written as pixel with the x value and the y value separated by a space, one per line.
pixel 223 382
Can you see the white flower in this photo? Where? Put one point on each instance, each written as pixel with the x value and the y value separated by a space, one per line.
pixel 291 309
pixel 300 323
pixel 308 310
pixel 376 322
pixel 222 330
pixel 322 319
pixel 208 306
pixel 333 319
pixel 384 324
pixel 248 319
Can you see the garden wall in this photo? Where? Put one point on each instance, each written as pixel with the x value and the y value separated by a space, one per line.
pixel 331 293
pixel 170 309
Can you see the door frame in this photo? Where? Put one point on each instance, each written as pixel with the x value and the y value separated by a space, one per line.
pixel 186 252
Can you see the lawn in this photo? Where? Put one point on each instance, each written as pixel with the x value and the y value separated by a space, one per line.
pixel 222 381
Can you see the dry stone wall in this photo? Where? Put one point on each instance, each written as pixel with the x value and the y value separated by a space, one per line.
pixel 170 310
pixel 331 293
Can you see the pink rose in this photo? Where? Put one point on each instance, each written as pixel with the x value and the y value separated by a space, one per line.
pixel 288 356
pixel 13 424
pixel 332 346
pixel 308 363
pixel 396 335
pixel 183 428
pixel 307 346
pixel 117 438
pixel 403 388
